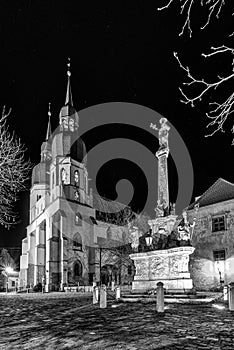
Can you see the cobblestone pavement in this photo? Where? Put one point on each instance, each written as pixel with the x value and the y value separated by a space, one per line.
pixel 70 321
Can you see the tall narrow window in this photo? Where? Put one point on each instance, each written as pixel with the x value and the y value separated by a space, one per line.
pixel 77 242
pixel 77 269
pixel 63 176
pixel 77 196
pixel 78 219
pixel 76 177
pixel 108 234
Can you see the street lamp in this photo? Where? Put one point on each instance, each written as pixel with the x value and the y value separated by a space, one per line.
pixel 148 239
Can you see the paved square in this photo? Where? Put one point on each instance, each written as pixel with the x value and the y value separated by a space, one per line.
pixel 70 321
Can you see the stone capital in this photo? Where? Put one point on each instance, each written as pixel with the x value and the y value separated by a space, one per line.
pixel 162 152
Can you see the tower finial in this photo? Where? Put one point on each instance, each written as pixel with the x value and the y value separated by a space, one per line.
pixel 49 112
pixel 68 100
pixel 68 67
pixel 48 133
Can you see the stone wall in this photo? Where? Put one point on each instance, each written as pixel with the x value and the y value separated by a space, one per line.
pixel 23 277
pixel 30 275
pixel 205 271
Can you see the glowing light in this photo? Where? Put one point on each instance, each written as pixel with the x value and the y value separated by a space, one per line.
pixel 114 306
pixel 217 306
pixel 148 240
pixel 9 269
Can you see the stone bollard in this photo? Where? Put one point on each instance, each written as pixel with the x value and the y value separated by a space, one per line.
pixel 97 292
pixel 231 296
pixel 225 293
pixel 160 297
pixel 103 297
pixel 95 295
pixel 112 286
pixel 117 293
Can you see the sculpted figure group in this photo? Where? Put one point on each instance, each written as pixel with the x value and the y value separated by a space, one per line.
pixel 181 235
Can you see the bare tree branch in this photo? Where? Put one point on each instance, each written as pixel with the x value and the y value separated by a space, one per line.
pixel 14 171
pixel 195 89
pixel 219 112
pixel 214 9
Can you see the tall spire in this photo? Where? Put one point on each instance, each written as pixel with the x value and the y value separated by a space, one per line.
pixel 48 132
pixel 68 100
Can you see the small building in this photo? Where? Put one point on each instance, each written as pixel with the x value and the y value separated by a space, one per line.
pixel 212 263
pixel 9 281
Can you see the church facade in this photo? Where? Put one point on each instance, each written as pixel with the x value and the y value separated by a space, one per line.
pixel 68 230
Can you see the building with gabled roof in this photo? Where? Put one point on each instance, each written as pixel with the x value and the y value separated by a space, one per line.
pixel 212 263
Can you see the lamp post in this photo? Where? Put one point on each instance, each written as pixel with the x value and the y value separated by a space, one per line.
pixel 8 270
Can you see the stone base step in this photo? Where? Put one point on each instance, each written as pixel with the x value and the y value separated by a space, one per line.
pixel 167 300
pixel 198 298
pixel 174 296
pixel 167 292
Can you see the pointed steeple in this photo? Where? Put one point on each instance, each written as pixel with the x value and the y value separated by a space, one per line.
pixel 46 145
pixel 68 116
pixel 48 132
pixel 68 100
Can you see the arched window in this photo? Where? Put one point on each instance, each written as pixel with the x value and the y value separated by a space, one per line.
pixel 77 242
pixel 77 269
pixel 78 219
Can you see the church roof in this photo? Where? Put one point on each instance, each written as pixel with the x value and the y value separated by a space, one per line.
pixel 106 205
pixel 220 191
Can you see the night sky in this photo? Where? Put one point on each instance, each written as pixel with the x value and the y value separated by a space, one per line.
pixel 120 51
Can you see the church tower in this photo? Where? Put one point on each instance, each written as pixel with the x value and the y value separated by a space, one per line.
pixel 64 228
pixel 40 177
pixel 69 161
pixel 61 208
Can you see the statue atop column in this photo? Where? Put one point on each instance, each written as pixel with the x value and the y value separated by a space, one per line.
pixel 163 133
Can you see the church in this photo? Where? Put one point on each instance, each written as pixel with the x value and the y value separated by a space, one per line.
pixel 69 229
pixel 73 232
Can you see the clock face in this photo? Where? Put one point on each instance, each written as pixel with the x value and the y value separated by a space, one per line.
pixel 71 125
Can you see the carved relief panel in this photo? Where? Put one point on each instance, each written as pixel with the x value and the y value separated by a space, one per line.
pixel 141 268
pixel 159 267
